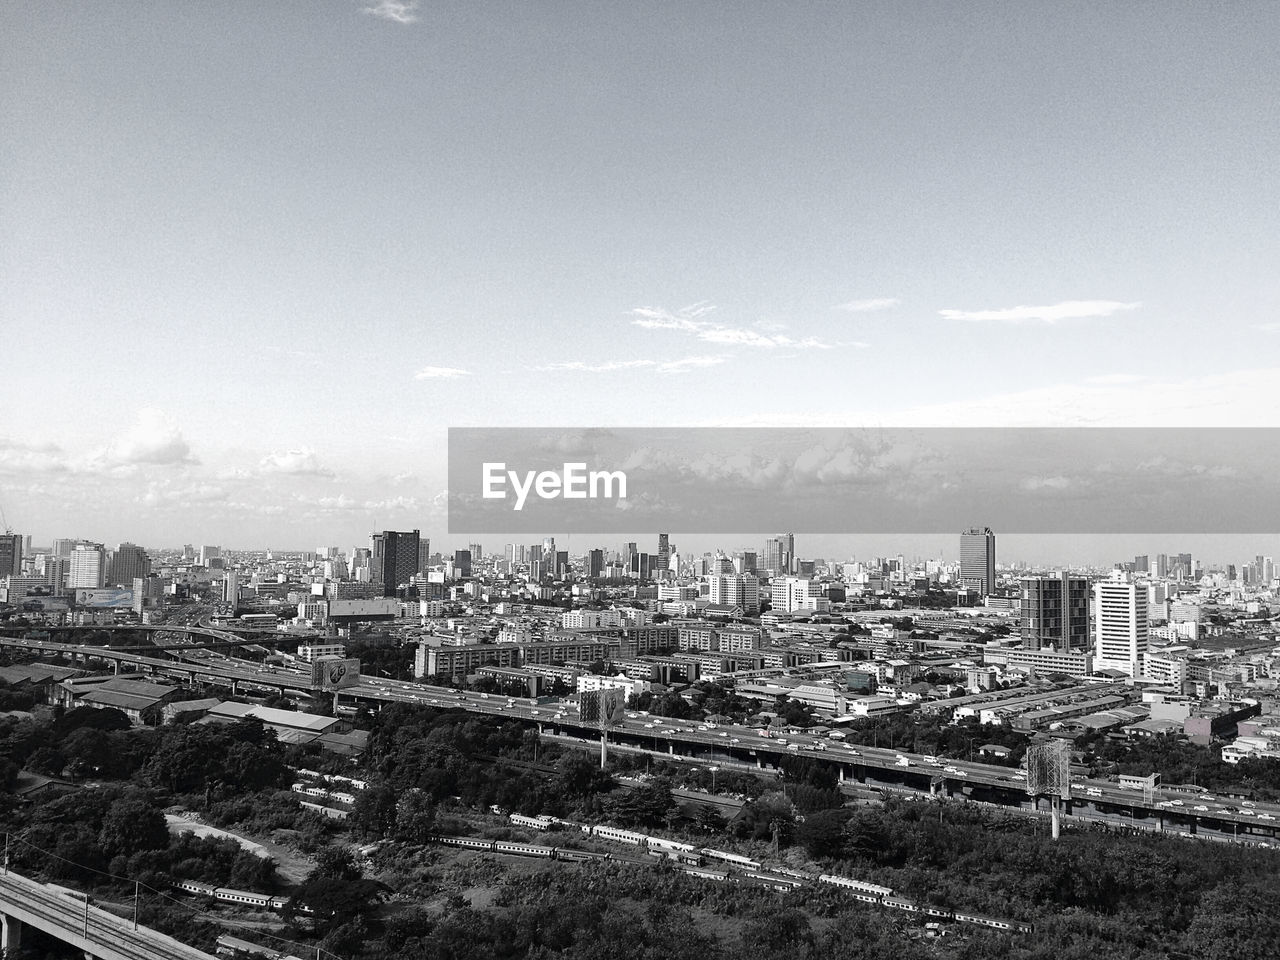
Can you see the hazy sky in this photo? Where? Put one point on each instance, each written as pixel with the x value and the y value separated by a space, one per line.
pixel 256 258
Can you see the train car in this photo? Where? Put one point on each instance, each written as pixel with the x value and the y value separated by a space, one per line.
pixel 196 887
pixel 471 843
pixel 579 856
pixel 720 876
pixel 533 823
pixel 245 897
pixel 661 843
pixel 620 836
pixel 858 885
pixel 734 858
pixel 995 923
pixel 899 904
pixel 523 849
pixel 773 881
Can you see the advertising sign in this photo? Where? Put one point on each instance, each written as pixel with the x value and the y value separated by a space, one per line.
pixel 104 597
pixel 334 673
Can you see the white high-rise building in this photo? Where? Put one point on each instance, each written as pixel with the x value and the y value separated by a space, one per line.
pixel 1120 628
pixel 790 594
pixel 87 566
pixel 734 590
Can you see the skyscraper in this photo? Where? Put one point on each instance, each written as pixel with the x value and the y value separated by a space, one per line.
pixel 10 554
pixel 87 566
pixel 393 559
pixel 462 564
pixel 1055 612
pixel 1120 625
pixel 664 550
pixel 778 556
pixel 978 560
pixel 128 562
pixel 594 563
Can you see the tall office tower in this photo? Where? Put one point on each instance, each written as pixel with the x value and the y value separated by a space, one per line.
pixel 1055 612
pixel 10 554
pixel 1142 564
pixel 778 556
pixel 549 550
pixel 628 551
pixel 536 573
pixel 54 571
pixel 127 562
pixel 595 563
pixel 393 559
pixel 561 564
pixel 87 566
pixel 424 555
pixel 1162 565
pixel 978 560
pixel 462 564
pixel 1182 567
pixel 664 551
pixel 210 553
pixel 512 554
pixel 744 561
pixel 721 566
pixel 477 552
pixel 62 546
pixel 1120 625
pixel 641 568
pixel 231 587
pixel 732 589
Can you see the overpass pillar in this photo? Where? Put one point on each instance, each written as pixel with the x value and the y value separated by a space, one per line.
pixel 10 935
pixel 840 770
pixel 115 667
pixel 671 747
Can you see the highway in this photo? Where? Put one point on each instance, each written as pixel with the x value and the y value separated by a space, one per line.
pixel 1101 800
pixel 98 933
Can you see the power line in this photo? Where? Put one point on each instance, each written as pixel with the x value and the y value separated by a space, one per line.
pixel 138 884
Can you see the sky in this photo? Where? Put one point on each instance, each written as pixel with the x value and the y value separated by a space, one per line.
pixel 255 259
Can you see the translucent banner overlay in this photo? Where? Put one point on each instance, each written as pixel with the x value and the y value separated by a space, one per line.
pixel 833 481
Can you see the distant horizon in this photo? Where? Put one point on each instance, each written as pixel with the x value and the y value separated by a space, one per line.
pixel 1216 555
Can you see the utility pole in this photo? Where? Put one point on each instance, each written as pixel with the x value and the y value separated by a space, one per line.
pixel 136 887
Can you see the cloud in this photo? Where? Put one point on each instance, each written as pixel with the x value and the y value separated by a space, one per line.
pixel 1271 327
pixel 1067 310
pixel 607 366
pixel 1115 379
pixel 295 463
pixel 25 459
pixel 690 320
pixel 441 373
pixel 867 306
pixel 397 11
pixel 1032 484
pixel 659 366
pixel 691 363
pixel 153 439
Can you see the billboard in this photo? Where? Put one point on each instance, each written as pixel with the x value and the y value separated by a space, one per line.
pixel 334 673
pixel 104 597
pixel 1049 769
pixel 605 707
pixel 378 608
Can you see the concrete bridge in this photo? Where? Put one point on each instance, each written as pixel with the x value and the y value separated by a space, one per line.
pixel 27 904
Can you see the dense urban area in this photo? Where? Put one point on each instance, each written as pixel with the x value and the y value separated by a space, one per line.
pixel 384 751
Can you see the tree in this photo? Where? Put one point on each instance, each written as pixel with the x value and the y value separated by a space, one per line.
pixel 131 825
pixel 374 812
pixel 415 817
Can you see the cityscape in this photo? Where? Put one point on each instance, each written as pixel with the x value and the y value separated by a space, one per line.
pixel 639 481
pixel 737 718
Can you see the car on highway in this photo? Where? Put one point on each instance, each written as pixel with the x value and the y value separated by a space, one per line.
pixel 1200 808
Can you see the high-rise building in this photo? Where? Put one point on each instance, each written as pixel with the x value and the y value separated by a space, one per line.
pixel 664 551
pixel 10 554
pixel 424 555
pixel 594 565
pixel 1055 612
pixel 462 564
pixel 778 556
pixel 231 587
pixel 208 553
pixel 87 566
pixel 477 552
pixel 127 562
pixel 978 560
pixel 735 589
pixel 393 559
pixel 1141 564
pixel 1120 625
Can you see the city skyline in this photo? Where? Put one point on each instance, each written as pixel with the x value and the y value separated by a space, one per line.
pixel 285 282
